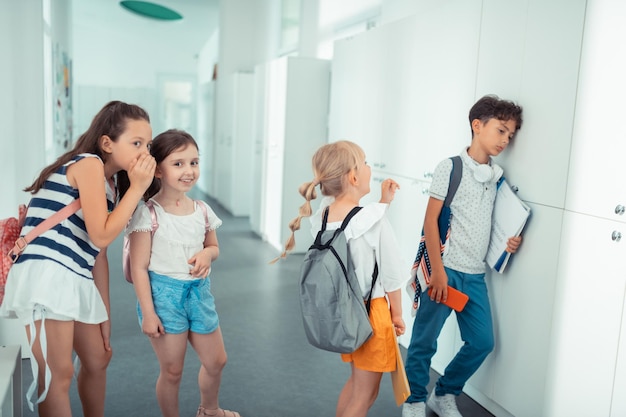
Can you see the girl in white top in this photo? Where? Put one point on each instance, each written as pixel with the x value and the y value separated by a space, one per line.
pixel 344 177
pixel 170 271
pixel 59 288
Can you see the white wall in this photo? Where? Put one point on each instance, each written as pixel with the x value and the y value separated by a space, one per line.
pixel 22 109
pixel 121 56
pixel 205 137
pixel 120 49
pixel 8 188
pixel 246 38
pixel 22 102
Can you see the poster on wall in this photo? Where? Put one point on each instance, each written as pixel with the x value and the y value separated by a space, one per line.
pixel 62 96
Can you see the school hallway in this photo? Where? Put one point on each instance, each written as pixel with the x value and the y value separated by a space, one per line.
pixel 272 370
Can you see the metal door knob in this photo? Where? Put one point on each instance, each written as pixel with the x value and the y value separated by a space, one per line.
pixel 616 236
pixel 619 209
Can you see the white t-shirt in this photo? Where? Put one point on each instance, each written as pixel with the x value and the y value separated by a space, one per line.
pixel 472 207
pixel 176 239
pixel 369 234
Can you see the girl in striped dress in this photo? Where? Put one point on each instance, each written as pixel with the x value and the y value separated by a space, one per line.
pixel 59 286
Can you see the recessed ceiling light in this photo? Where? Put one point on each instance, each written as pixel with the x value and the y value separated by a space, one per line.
pixel 151 10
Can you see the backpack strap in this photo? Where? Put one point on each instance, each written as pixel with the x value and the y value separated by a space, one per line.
pixel 324 219
pixel 456 173
pixel 350 215
pixel 155 223
pixel 446 212
pixel 207 226
pixel 374 277
pixel 455 179
pixel 45 225
pixel 345 222
pixel 343 226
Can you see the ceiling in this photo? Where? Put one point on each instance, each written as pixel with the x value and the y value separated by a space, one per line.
pixel 200 20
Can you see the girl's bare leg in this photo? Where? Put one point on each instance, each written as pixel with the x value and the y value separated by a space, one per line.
pixel 359 393
pixel 212 355
pixel 59 335
pixel 170 351
pixel 94 360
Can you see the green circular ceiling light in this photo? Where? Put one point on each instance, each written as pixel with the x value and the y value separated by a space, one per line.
pixel 151 10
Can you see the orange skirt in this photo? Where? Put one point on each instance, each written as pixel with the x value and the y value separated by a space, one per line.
pixel 378 354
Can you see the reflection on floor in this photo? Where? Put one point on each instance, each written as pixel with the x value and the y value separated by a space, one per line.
pixel 272 371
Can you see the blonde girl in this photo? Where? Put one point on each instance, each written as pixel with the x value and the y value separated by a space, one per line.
pixel 343 176
pixel 59 286
pixel 170 270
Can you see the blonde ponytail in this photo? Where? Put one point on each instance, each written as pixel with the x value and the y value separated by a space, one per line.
pixel 331 165
pixel 306 190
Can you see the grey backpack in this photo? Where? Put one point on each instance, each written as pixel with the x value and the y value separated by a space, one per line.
pixel 334 313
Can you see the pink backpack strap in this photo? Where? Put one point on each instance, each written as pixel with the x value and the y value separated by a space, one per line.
pixel 155 224
pixel 207 226
pixel 50 222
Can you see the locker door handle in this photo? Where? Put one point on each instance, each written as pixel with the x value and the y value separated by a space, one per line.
pixel 616 236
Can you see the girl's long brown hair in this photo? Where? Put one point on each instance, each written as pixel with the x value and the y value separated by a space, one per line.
pixel 110 121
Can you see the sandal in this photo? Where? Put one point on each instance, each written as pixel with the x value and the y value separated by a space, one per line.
pixel 216 412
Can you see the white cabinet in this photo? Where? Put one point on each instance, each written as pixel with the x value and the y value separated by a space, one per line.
pixel 530 53
pixel 559 312
pixel 521 302
pixel 296 117
pixel 597 182
pixel 406 211
pixel 259 159
pixel 206 136
pixel 12 333
pixel 406 216
pixel 234 149
pixel 10 381
pixel 588 357
pixel 618 402
pixel 429 85
pixel 356 92
pixel 404 97
pixel 586 330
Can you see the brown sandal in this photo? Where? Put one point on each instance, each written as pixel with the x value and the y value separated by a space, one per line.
pixel 216 412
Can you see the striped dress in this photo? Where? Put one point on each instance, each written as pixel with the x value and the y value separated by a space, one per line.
pixel 55 270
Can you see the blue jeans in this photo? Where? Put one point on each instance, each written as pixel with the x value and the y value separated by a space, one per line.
pixel 476 331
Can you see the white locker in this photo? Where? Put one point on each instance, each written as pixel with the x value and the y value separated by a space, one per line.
pixel 597 184
pixel 588 305
pixel 234 149
pixel 296 113
pixel 530 53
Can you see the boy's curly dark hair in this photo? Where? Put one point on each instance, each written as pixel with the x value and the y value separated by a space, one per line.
pixel 493 107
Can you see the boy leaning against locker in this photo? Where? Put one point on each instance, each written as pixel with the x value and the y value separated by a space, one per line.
pixel 494 122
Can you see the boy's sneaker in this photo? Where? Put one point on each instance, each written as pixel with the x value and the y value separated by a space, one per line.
pixel 444 406
pixel 414 409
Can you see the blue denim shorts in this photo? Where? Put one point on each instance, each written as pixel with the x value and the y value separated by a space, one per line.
pixel 183 305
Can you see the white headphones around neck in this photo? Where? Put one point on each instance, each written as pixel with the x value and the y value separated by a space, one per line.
pixel 487 173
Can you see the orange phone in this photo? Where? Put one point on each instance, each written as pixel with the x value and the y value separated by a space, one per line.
pixel 456 299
